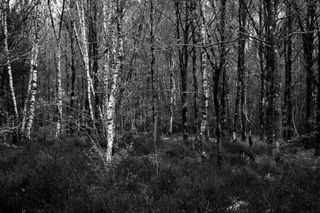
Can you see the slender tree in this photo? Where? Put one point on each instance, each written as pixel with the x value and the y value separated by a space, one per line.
pixel 222 65
pixel 57 35
pixel 317 145
pixel 194 65
pixel 288 75
pixel 117 53
pixel 32 86
pixel 241 87
pixel 205 74
pixel 262 74
pixel 6 8
pixel 172 68
pixel 152 74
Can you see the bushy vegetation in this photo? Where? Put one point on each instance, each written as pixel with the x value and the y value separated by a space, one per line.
pixel 60 177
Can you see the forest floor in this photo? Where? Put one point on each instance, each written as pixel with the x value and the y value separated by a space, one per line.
pixel 46 176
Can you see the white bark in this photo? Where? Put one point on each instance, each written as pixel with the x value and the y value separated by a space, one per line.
pixel 33 90
pixel 6 50
pixel 107 12
pixel 24 112
pixel 117 51
pixel 28 116
pixel 59 95
pixel 204 37
pixel 57 35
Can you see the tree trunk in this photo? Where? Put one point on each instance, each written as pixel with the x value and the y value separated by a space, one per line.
pixel 26 100
pixel 317 145
pixel 184 71
pixel 73 78
pixel 241 90
pixel 308 39
pixel 117 52
pixel 262 75
pixel 205 78
pixel 183 53
pixel 288 77
pixel 222 66
pixel 59 91
pixel 34 68
pixel 172 67
pixel 152 75
pixel 8 61
pixel 32 87
pixel 273 112
pixel 93 54
pixel 85 56
pixel 194 67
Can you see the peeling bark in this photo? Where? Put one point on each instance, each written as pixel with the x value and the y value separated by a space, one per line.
pixel 117 52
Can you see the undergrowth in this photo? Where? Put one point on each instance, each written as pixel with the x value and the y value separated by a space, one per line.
pixel 59 177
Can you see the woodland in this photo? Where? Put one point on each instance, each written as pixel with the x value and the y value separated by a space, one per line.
pixel 160 106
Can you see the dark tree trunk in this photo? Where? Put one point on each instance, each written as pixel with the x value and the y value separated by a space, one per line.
pixel 93 57
pixel 194 67
pixel 242 69
pixel 288 77
pixel 183 53
pixel 273 112
pixel 240 96
pixel 262 75
pixel 308 40
pixel 222 66
pixel 317 145
pixel 152 63
pixel 236 107
pixel 184 70
pixel 73 79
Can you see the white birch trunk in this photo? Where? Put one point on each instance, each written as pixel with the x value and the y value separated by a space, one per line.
pixel 204 119
pixel 57 35
pixel 6 50
pixel 28 116
pixel 117 51
pixel 33 89
pixel 59 95
pixel 24 112
pixel 108 13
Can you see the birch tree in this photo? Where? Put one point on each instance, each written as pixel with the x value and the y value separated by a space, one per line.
pixel 117 54
pixel 205 74
pixel 56 26
pixel 28 113
pixel 34 71
pixel 6 8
